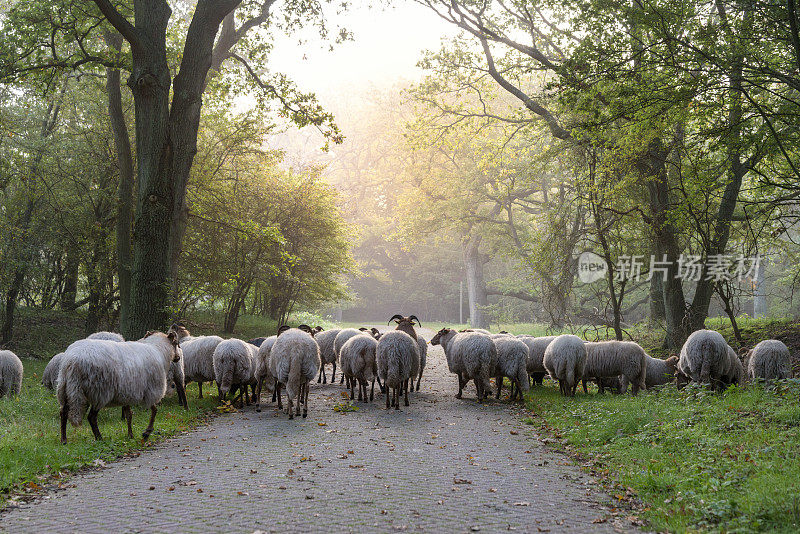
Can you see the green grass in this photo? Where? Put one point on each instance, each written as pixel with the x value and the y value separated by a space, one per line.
pixel 698 461
pixel 30 448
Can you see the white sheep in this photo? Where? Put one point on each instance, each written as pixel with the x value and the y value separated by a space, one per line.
pixel 327 353
pixel 97 373
pixel 659 372
pixel 511 362
pixel 471 356
pixel 10 374
pixel 294 360
pixel 536 348
pixel 50 373
pixel 395 356
pixel 608 359
pixel 704 359
pixel 233 361
pixel 106 336
pixel 769 360
pixel 564 359
pixel 341 338
pixel 263 374
pixel 358 363
pixel 735 373
pixel 198 356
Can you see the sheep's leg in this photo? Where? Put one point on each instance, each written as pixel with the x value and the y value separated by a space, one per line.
pixel 397 397
pixel 299 399
pixel 333 376
pixel 321 370
pixel 419 379
pixel 128 417
pixel 257 394
pixel 305 400
pixel 498 380
pixel 275 391
pixel 460 386
pixel 585 391
pixel 634 387
pixel 290 406
pixel 405 388
pixel 360 390
pixel 93 422
pixel 64 412
pixel 278 393
pixel 352 389
pixel 387 400
pixel 149 429
pixel 325 374
pixel 372 391
pixel 381 386
pixel 200 387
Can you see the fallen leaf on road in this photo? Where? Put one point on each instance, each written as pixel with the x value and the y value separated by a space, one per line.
pixel 461 481
pixel 522 503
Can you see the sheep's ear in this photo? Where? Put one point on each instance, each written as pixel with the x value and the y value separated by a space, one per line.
pixel 173 338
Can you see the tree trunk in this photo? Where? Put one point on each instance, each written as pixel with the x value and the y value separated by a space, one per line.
pixel 93 281
pixel 760 291
pixel 476 287
pixel 70 292
pixel 122 144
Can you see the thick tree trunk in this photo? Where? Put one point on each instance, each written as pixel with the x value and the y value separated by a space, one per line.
pixel 122 144
pixel 653 166
pixel 476 286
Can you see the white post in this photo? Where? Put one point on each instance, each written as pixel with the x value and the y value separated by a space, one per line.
pixel 461 302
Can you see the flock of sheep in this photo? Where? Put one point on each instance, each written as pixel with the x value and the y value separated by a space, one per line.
pixel 105 370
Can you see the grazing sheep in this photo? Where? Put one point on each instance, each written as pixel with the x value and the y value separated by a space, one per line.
pixel 198 356
pixel 97 373
pixel 233 367
pixel 564 359
pixel 536 348
pixel 327 353
pixel 50 373
pixel 612 383
pixel 735 373
pixel 704 359
pixel 106 336
pixel 607 359
pixel 10 374
pixel 357 360
pixel 769 360
pixel 262 373
pixel 471 356
pixel 395 356
pixel 659 372
pixel 511 362
pixel 294 361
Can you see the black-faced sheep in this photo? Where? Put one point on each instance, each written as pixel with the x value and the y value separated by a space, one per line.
pixel 564 359
pixel 609 359
pixel 769 360
pixel 10 374
pixel 98 373
pixel 406 324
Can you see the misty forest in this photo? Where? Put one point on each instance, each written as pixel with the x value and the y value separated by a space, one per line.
pixel 620 170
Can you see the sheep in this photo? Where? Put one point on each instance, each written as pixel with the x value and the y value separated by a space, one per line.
pixel 10 374
pixel 703 359
pixel 294 361
pixel 50 373
pixel 357 360
pixel 564 359
pixel 659 372
pixel 734 374
pixel 470 355
pixel 198 356
pixel 233 367
pixel 769 360
pixel 107 336
pixel 341 339
pixel 511 362
pixel 536 348
pixel 406 324
pixel 262 372
pixel 395 356
pixel 98 373
pixel 374 332
pixel 606 359
pixel 325 340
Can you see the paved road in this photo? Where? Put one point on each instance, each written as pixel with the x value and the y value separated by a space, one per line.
pixel 440 465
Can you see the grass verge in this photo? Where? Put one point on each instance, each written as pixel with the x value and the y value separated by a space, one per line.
pixel 32 457
pixel 698 461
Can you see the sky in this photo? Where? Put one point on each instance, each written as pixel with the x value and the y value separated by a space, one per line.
pixel 388 42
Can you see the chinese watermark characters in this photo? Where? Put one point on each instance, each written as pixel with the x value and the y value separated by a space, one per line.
pixel 690 267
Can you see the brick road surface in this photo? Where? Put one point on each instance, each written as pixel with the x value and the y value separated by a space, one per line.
pixel 440 465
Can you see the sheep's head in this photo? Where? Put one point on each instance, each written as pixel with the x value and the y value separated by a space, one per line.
pixel 180 330
pixel 307 329
pixel 176 346
pixel 318 329
pixel 283 328
pixel 672 364
pixel 437 339
pixel 406 324
pixel 681 379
